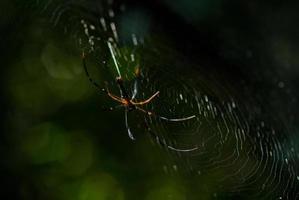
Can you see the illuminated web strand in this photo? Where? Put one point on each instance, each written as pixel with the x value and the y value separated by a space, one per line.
pixel 182 150
pixel 114 59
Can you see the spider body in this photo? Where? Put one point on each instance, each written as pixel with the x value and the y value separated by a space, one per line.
pixel 130 104
pixel 126 100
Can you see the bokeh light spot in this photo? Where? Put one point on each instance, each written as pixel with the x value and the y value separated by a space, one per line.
pixel 45 143
pixel 101 187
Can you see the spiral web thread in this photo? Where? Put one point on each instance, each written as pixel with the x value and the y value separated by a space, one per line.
pixel 245 155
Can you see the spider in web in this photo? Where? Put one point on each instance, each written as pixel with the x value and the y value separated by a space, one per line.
pixel 129 103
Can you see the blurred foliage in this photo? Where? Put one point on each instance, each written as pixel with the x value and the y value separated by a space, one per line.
pixel 60 144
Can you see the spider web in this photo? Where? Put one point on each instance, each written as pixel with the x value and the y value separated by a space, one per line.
pixel 245 155
pixel 255 158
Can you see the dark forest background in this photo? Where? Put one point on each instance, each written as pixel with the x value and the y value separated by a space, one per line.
pixel 58 143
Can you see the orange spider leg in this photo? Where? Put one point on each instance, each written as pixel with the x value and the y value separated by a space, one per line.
pixel 145 111
pixel 146 101
pixel 116 98
pixel 112 96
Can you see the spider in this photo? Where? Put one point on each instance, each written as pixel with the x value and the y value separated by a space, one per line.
pixel 130 104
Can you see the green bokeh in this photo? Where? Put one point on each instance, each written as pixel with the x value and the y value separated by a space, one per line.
pixel 100 187
pixel 60 142
pixel 46 143
pixel 170 190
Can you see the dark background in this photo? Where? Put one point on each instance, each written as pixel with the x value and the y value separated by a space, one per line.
pixel 57 143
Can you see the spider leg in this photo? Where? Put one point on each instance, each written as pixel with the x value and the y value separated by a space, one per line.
pixel 112 96
pixel 122 88
pixel 182 150
pixel 145 111
pixel 163 143
pixel 127 125
pixel 147 100
pixel 116 98
pixel 164 118
pixel 83 56
pixel 135 90
pixel 177 119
